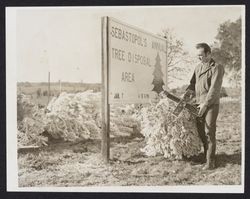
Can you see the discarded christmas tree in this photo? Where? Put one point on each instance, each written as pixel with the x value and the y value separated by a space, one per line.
pixel 158 81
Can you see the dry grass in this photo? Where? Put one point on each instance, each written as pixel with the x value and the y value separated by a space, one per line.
pixel 79 164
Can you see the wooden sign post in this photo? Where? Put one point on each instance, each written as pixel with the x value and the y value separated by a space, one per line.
pixel 105 90
pixel 134 69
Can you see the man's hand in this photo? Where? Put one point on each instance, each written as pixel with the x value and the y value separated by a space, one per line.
pixel 187 95
pixel 202 108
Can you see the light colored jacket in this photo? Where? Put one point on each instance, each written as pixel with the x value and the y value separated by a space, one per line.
pixel 206 82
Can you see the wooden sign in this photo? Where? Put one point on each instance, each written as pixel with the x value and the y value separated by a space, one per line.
pixel 137 63
pixel 134 69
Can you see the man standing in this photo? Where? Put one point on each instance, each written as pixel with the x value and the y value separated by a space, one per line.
pixel 206 84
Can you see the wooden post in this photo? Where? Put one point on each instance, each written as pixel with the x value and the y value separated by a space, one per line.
pixel 105 93
pixel 166 65
pixel 60 87
pixel 48 86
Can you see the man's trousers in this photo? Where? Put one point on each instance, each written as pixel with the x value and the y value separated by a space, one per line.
pixel 206 126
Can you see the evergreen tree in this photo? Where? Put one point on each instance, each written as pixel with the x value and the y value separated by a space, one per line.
pixel 158 81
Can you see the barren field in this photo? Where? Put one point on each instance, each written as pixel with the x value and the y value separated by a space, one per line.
pixel 80 164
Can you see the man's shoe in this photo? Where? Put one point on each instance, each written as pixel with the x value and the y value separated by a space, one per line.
pixel 208 167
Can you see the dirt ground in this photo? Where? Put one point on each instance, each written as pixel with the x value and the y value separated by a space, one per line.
pixel 80 164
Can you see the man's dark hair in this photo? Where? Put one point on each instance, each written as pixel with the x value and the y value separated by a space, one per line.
pixel 205 46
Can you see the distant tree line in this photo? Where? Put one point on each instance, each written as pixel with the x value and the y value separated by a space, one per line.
pixel 40 93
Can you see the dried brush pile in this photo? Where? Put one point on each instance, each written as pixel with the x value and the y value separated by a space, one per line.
pixel 73 117
pixel 30 122
pixel 166 134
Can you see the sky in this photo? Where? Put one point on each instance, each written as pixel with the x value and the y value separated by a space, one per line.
pixel 67 41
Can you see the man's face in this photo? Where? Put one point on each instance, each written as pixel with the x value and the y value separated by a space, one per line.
pixel 202 56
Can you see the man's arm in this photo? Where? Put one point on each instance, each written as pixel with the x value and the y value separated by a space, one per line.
pixel 190 90
pixel 216 82
pixel 192 83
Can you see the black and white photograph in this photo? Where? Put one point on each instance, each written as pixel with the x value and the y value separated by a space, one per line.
pixel 126 98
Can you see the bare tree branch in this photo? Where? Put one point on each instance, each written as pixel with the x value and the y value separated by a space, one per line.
pixel 178 59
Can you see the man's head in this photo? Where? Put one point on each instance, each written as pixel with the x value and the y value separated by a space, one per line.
pixel 203 52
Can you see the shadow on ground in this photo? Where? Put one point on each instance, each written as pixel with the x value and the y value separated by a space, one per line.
pixel 222 159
